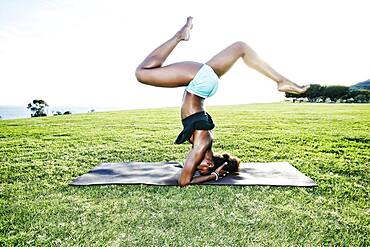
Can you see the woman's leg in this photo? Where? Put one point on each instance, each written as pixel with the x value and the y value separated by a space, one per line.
pixel 151 72
pixel 223 61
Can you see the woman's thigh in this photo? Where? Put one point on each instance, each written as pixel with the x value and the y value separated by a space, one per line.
pixel 225 59
pixel 172 75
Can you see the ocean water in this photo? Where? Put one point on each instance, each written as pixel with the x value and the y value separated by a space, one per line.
pixel 14 112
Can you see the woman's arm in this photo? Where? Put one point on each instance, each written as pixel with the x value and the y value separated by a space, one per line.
pixel 201 143
pixel 203 179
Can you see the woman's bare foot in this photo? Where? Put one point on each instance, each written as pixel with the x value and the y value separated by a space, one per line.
pixel 291 87
pixel 184 33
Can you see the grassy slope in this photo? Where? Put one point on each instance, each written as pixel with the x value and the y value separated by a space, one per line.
pixel 329 143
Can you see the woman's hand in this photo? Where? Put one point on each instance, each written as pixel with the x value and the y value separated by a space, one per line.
pixel 221 171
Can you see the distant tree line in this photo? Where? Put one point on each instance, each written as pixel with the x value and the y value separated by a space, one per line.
pixel 39 108
pixel 340 94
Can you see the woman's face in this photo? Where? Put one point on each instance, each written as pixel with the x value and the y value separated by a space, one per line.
pixel 204 166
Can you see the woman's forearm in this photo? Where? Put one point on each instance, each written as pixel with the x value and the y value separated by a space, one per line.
pixel 203 179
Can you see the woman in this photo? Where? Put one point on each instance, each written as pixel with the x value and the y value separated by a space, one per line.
pixel 201 81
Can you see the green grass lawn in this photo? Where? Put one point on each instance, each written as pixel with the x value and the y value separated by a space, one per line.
pixel 328 142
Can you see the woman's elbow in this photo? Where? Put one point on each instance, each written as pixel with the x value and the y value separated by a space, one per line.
pixel 182 183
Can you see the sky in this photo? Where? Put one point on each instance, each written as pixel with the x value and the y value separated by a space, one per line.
pixel 84 53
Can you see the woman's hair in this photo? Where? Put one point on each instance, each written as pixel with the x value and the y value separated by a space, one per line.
pixel 232 163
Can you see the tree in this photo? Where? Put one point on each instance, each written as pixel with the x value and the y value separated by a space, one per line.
pixel 335 92
pixel 292 95
pixel 315 91
pixel 361 98
pixel 355 93
pixel 318 93
pixel 38 108
pixel 312 93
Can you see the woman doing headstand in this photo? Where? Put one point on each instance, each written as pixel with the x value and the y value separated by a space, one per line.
pixel 201 82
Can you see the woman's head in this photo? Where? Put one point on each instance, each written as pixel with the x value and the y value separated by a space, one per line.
pixel 232 163
pixel 210 165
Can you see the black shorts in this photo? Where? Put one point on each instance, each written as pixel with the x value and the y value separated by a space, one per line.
pixel 197 121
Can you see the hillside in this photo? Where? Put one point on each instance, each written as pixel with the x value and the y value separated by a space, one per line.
pixel 361 85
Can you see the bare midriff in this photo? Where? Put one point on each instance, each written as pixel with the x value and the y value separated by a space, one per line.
pixel 191 104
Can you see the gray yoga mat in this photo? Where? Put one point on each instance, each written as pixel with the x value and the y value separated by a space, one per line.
pixel 275 173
